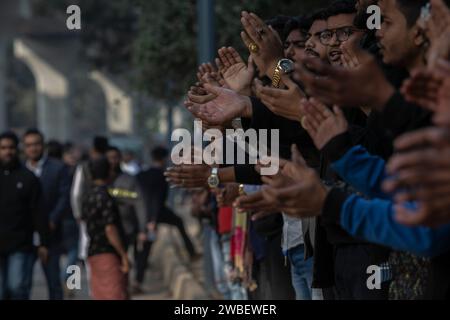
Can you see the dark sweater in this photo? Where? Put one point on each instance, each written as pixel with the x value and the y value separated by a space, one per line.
pixel 20 209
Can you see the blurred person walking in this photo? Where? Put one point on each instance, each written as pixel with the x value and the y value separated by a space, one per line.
pixel 55 182
pixel 156 190
pixel 69 226
pixel 107 257
pixel 127 193
pixel 129 164
pixel 20 217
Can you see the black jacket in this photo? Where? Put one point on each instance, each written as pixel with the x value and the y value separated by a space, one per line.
pixel 155 189
pixel 20 209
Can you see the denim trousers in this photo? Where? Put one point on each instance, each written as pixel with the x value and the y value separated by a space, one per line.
pixel 16 271
pixel 302 271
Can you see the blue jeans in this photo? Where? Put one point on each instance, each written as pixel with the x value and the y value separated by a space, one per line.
pixel 52 271
pixel 16 271
pixel 301 271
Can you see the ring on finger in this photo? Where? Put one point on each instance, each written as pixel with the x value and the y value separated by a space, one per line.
pixel 253 47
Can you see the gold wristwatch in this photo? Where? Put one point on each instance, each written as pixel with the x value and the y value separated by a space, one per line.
pixel 285 66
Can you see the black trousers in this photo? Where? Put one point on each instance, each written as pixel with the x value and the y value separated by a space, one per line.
pixel 141 254
pixel 351 263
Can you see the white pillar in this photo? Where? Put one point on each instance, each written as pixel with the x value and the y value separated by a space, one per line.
pixel 119 105
pixel 51 93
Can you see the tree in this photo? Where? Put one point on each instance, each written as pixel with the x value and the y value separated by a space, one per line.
pixel 165 50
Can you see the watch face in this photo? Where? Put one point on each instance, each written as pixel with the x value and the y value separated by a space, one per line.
pixel 213 181
pixel 287 66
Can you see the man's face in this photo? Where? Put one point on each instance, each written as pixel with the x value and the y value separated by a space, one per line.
pixel 337 22
pixel 33 147
pixel 8 151
pixel 314 48
pixel 395 39
pixel 114 159
pixel 294 46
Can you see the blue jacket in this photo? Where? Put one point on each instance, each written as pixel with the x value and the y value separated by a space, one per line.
pixel 55 181
pixel 373 220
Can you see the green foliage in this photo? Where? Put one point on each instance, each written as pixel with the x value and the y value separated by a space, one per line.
pixel 165 50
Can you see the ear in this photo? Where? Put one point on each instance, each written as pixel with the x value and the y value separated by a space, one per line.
pixel 419 36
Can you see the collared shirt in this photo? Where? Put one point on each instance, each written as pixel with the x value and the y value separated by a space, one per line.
pixel 37 170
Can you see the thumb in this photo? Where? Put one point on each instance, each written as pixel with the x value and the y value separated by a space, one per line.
pixel 297 157
pixel 338 111
pixel 212 89
pixel 288 81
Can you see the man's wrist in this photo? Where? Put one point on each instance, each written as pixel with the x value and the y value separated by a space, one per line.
pixel 247 110
pixel 271 67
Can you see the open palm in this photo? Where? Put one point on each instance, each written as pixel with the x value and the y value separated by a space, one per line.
pixel 237 75
pixel 227 106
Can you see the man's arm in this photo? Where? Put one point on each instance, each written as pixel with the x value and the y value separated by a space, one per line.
pixel 76 194
pixel 356 166
pixel 40 219
pixel 373 220
pixel 140 206
pixel 63 201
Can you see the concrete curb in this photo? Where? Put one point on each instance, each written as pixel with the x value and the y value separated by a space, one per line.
pixel 176 274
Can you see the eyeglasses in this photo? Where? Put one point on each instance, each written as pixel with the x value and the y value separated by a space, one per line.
pixel 342 35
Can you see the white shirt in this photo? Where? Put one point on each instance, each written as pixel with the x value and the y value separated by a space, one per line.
pixel 37 170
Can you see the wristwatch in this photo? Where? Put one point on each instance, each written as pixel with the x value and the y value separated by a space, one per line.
pixel 285 66
pixel 213 180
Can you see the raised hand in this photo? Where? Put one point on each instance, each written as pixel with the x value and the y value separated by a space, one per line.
pixel 188 175
pixel 237 75
pixel 321 123
pixel 256 204
pixel 420 171
pixel 305 198
pixel 269 47
pixel 285 103
pixel 438 28
pixel 226 106
pixel 336 85
pixel 349 58
pixel 429 87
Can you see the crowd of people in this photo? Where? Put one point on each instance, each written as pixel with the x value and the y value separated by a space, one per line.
pixel 360 206
pixel 92 209
pixel 358 210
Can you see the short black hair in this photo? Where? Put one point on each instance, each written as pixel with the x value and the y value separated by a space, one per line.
pixel 411 9
pixel 55 149
pixel 9 135
pixel 340 7
pixel 34 131
pixel 320 14
pixel 99 168
pixel 68 146
pixel 100 144
pixel 159 153
pixel 297 23
pixel 278 23
pixel 114 148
